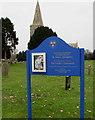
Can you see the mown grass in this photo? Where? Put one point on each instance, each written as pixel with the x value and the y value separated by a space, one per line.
pixel 49 97
pixel 0 91
pixel 14 92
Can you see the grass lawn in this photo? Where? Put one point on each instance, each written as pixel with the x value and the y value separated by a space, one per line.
pixel 49 97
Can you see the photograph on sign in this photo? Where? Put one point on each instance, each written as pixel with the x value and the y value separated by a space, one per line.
pixel 38 62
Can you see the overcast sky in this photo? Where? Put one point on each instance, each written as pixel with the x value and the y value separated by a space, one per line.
pixel 72 21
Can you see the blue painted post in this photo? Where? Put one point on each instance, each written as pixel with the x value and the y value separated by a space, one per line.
pixel 28 86
pixel 82 85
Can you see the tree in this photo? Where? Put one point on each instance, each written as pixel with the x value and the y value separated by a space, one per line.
pixel 0 40
pixel 9 39
pixel 40 34
pixel 93 54
pixel 88 55
pixel 21 56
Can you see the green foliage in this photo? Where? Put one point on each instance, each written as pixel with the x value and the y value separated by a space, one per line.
pixel 0 39
pixel 49 97
pixel 40 34
pixel 9 39
pixel 21 56
pixel 94 55
pixel 88 55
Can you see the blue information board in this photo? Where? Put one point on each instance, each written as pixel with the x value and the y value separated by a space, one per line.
pixel 55 57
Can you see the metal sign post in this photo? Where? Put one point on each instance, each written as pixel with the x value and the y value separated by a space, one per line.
pixel 82 85
pixel 28 86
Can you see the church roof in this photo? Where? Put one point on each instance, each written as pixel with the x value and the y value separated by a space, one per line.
pixel 75 45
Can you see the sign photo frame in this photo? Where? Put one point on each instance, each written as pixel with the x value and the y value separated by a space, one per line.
pixel 38 62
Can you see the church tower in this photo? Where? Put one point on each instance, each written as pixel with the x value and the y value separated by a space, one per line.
pixel 37 19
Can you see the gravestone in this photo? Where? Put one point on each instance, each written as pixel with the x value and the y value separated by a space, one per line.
pixel 68 83
pixel 5 69
pixel 89 70
pixel 55 57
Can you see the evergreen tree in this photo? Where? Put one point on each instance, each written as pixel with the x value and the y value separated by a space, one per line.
pixel 21 56
pixel 88 55
pixel 9 39
pixel 40 34
pixel 0 40
pixel 94 55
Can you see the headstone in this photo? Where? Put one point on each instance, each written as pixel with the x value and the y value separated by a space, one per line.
pixel 5 69
pixel 89 70
pixel 13 56
pixel 68 83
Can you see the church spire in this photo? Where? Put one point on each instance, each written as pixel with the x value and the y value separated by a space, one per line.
pixel 37 21
pixel 37 17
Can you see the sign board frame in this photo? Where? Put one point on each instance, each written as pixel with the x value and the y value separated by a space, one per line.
pixel 58 58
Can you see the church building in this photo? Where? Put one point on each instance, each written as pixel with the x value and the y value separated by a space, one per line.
pixel 37 22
